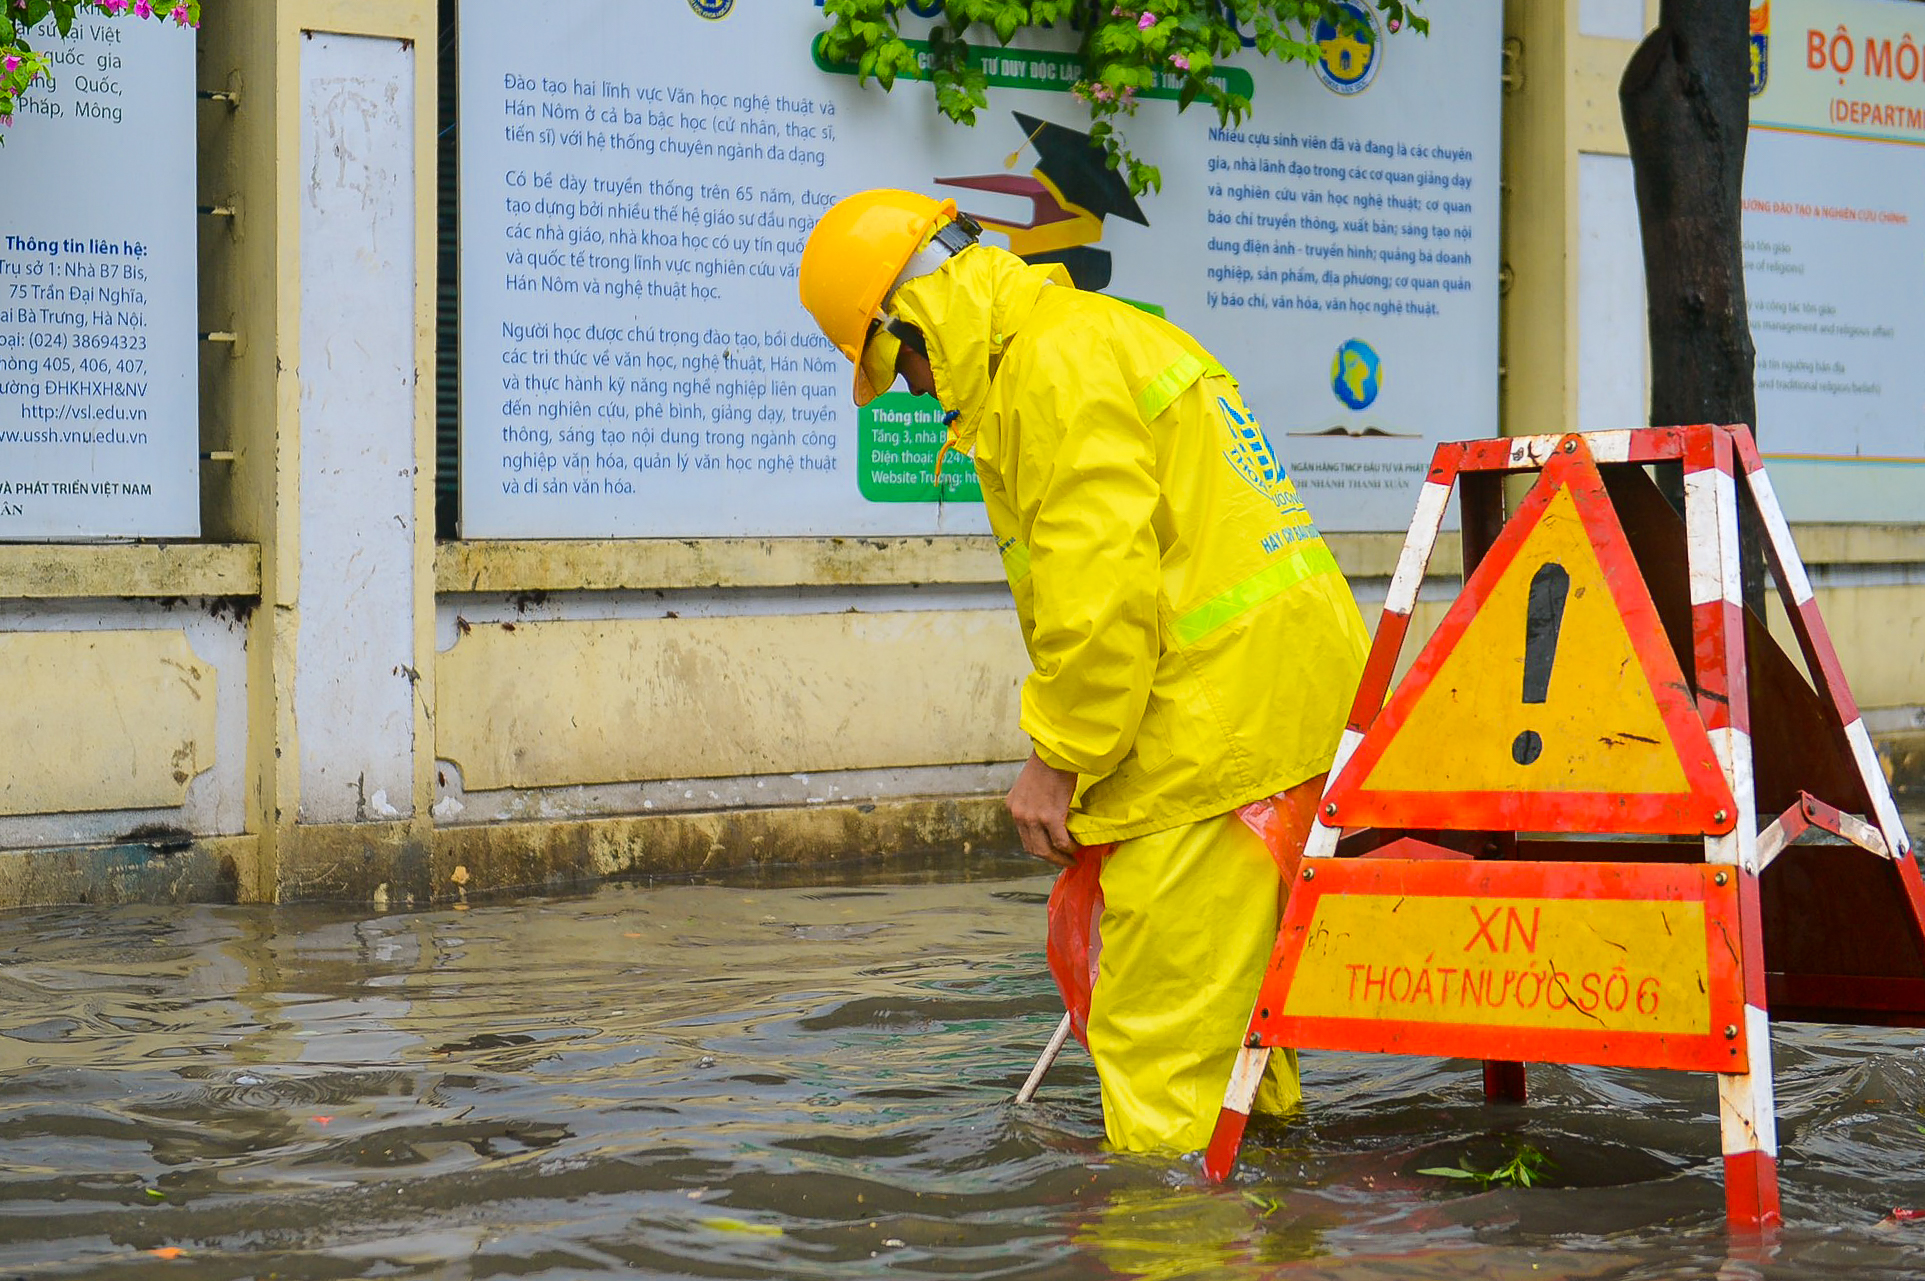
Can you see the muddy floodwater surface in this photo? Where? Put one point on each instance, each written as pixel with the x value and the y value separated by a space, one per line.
pixel 766 1079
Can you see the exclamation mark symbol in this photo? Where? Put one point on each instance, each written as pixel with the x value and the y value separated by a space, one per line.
pixel 1543 618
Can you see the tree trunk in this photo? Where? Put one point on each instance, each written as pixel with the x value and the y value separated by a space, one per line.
pixel 1686 101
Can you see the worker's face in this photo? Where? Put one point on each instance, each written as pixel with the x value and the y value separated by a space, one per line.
pixel 914 368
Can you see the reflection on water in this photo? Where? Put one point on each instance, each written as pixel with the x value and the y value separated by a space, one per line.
pixel 765 1080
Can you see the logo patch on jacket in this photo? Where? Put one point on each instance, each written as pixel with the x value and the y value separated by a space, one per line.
pixel 1254 460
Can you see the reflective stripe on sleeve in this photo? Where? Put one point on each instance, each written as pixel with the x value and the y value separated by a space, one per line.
pixel 1161 391
pixel 1270 581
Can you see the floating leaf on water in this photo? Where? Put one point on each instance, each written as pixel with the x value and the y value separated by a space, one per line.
pixel 1526 1168
pixel 739 1225
pixel 1268 1204
pixel 1454 1172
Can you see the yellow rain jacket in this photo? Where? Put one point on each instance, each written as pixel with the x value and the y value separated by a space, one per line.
pixel 1195 647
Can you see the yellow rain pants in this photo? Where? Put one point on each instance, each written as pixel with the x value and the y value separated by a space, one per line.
pixel 1189 917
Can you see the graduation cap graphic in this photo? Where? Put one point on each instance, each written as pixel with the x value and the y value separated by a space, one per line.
pixel 1071 191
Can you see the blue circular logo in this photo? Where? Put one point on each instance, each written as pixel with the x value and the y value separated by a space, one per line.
pixel 713 10
pixel 1356 375
pixel 1352 51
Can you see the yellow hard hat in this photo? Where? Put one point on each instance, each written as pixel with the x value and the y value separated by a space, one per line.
pixel 854 257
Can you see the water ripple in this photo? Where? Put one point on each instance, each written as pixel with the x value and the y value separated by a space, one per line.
pixel 782 1079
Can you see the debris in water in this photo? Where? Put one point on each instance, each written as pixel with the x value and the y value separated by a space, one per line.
pixel 738 1225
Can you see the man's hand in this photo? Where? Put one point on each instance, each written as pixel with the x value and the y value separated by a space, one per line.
pixel 1040 805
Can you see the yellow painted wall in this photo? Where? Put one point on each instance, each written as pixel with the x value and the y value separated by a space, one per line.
pixel 552 704
pixel 561 702
pixel 102 720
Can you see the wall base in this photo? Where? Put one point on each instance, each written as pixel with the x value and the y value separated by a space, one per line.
pixel 391 866
pixel 215 869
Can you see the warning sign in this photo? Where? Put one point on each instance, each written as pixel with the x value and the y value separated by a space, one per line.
pixel 1595 963
pixel 1554 719
pixel 1549 697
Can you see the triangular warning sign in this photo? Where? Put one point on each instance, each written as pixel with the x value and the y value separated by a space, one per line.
pixel 1548 699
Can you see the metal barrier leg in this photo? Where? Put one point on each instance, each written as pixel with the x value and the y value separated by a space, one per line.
pixel 1503 1082
pixel 1748 1123
pixel 1221 1156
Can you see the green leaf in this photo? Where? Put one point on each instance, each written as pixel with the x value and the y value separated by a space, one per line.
pixel 1118 57
pixel 1452 1172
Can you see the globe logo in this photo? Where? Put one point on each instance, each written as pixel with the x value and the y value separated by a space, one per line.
pixel 713 10
pixel 1356 375
pixel 1349 58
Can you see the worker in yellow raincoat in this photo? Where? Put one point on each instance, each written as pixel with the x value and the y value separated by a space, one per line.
pixel 1195 646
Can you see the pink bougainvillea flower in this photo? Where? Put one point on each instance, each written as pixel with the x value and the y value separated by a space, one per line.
pixel 12 63
pixel 1180 62
pixel 143 8
pixel 1145 22
pixel 180 17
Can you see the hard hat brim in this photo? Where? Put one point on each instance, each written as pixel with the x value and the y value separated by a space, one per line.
pixel 876 370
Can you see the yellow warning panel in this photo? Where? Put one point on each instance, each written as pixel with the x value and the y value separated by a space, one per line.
pixel 1635 965
pixel 1549 698
pixel 1513 962
pixel 1597 728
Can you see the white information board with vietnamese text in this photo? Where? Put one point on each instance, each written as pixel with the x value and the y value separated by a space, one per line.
pixel 99 389
pixel 637 183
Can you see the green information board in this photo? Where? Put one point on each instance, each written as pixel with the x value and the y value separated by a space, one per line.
pixel 899 438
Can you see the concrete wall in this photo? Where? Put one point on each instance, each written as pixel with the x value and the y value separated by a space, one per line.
pixel 320 701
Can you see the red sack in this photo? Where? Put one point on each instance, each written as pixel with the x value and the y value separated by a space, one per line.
pixel 1283 823
pixel 1076 901
pixel 1075 938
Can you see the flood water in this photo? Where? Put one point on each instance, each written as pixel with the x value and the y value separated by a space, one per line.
pixel 757 1079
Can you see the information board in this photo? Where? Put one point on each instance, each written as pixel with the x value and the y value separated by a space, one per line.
pixel 637 183
pixel 99 390
pixel 1835 226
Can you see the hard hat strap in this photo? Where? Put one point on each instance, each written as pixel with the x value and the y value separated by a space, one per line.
pixel 949 240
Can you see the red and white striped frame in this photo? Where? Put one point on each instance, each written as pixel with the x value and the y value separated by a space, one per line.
pixel 1712 457
pixel 1814 640
pixel 1747 1112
